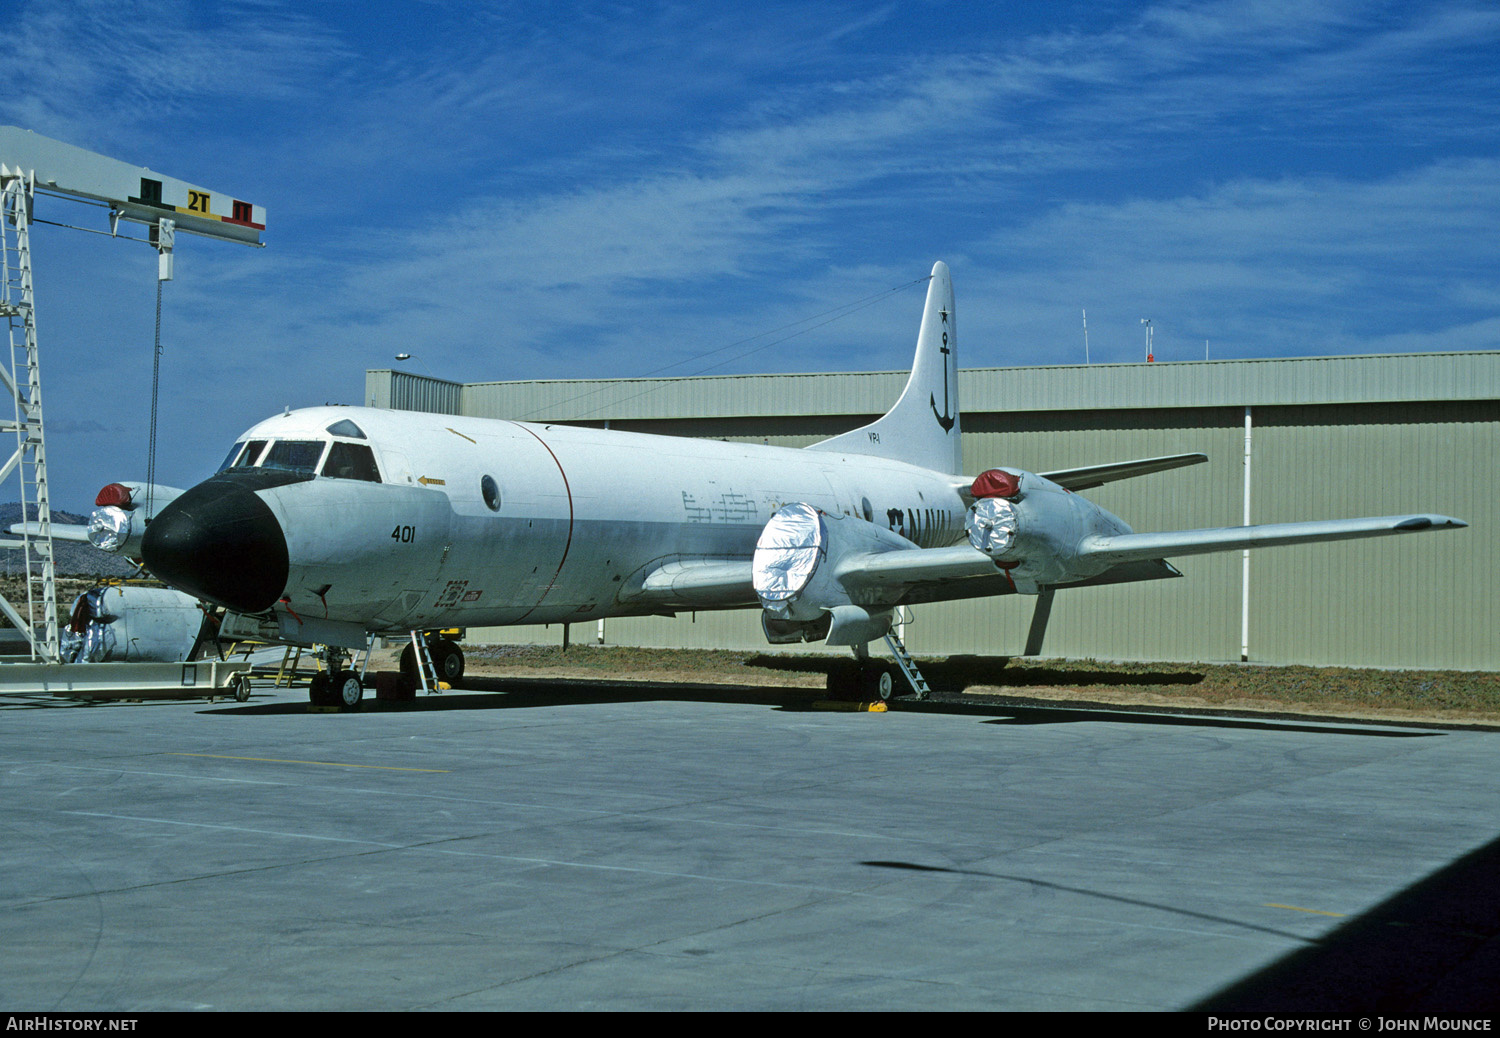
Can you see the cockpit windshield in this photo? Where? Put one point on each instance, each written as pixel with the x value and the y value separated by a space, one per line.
pixel 351 461
pixel 234 452
pixel 251 454
pixel 299 456
pixel 344 460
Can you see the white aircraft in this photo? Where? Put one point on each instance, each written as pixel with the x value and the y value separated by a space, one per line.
pixel 329 524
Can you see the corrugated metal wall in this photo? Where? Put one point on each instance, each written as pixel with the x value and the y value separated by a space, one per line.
pixel 1332 437
pixel 405 391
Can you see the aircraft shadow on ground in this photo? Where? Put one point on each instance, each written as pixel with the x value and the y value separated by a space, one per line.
pixel 956 673
pixel 535 693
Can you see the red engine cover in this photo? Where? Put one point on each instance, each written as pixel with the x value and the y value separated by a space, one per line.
pixel 996 483
pixel 116 494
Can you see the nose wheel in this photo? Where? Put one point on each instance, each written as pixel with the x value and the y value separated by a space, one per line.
pixel 337 686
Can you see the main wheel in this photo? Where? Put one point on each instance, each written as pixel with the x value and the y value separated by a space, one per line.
pixel 877 681
pixel 448 658
pixel 347 690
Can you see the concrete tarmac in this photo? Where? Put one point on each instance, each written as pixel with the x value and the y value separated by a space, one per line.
pixel 566 846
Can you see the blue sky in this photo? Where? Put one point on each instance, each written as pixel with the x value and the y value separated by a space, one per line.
pixel 558 190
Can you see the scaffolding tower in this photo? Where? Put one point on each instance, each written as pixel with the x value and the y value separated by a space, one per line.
pixel 23 381
pixel 165 205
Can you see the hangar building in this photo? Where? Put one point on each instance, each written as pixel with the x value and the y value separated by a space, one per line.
pixel 1304 438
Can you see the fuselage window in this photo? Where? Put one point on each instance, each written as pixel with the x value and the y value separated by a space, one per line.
pixel 351 461
pixel 251 455
pixel 300 456
pixel 229 458
pixel 491 491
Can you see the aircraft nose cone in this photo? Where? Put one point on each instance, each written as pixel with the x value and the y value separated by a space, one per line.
pixel 219 542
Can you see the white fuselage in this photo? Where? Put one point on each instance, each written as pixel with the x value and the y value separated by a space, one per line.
pixel 580 516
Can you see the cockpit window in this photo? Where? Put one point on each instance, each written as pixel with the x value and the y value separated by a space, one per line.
pixel 344 427
pixel 299 456
pixel 251 455
pixel 229 458
pixel 351 461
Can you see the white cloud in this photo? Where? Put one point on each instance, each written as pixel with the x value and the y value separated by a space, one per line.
pixel 1266 267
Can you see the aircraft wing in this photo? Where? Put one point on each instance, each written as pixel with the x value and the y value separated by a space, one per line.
pixel 706 583
pixel 948 574
pixel 1097 475
pixel 889 569
pixel 60 531
pixel 882 579
pixel 1130 547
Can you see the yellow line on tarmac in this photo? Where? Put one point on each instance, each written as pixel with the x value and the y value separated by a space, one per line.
pixel 319 763
pixel 1312 911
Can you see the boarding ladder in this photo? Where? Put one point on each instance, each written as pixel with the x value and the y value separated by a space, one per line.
pixel 908 666
pixel 427 674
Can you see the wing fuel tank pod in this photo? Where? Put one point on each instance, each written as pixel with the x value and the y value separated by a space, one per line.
pixel 796 575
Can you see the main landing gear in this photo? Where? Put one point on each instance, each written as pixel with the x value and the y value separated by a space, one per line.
pixel 447 661
pixel 871 679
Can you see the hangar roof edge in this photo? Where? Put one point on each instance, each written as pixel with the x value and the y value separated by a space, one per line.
pixel 1269 381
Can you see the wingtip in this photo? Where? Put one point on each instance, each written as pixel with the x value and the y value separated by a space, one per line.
pixel 1415 523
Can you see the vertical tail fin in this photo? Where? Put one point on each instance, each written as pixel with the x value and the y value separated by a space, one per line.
pixel 923 427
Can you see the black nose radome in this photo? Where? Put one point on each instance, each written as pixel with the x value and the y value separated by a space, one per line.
pixel 219 542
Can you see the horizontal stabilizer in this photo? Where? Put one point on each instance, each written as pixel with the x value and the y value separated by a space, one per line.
pixel 1135 546
pixel 1098 475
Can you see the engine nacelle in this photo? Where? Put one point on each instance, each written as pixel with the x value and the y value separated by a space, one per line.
pixel 795 575
pixel 131 624
pixel 1032 528
pixel 120 515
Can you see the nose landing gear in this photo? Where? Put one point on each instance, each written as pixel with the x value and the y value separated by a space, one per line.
pixel 339 686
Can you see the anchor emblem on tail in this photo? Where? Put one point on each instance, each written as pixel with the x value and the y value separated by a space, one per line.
pixel 945 419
